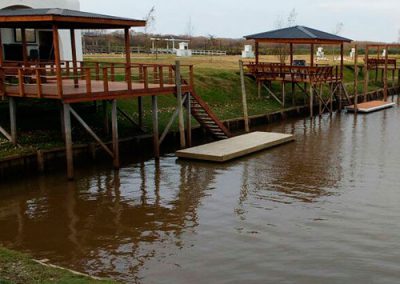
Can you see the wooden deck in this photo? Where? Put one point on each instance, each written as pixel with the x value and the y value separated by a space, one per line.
pixel 232 148
pixel 371 106
pixel 97 90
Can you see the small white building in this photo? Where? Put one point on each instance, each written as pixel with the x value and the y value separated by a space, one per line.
pixel 40 42
pixel 184 50
pixel 248 52
pixel 321 54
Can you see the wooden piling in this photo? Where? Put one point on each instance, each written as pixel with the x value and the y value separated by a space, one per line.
pixel 181 121
pixel 366 74
pixel 356 79
pixel 311 100
pixel 188 120
pixel 156 143
pixel 115 137
pixel 385 76
pixel 68 141
pixel 244 98
pixel 13 119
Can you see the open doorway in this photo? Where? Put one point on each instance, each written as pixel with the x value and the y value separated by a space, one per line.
pixel 46 50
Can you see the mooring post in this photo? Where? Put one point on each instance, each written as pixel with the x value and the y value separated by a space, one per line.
pixel 244 98
pixel 356 79
pixel 115 138
pixel 68 141
pixel 181 121
pixel 188 119
pixel 13 119
pixel 385 72
pixel 156 143
pixel 366 74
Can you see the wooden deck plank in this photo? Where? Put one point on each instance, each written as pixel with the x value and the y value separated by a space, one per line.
pixel 239 146
pixel 371 106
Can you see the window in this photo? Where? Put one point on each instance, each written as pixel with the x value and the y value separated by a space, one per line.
pixel 30 35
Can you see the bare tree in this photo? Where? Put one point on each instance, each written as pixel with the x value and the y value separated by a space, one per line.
pixel 281 50
pixel 150 20
pixel 189 29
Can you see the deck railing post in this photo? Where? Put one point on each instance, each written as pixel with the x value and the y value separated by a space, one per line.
pixel 56 44
pixel 145 78
pixel 161 76
pixel 21 83
pixel 97 65
pixel 181 121
pixel 38 83
pixel 88 78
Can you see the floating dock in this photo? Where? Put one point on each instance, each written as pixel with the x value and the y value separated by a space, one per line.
pixel 371 106
pixel 232 148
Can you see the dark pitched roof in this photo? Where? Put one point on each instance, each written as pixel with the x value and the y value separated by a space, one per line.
pixel 66 15
pixel 298 33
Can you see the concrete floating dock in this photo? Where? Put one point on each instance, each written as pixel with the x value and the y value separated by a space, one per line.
pixel 232 148
pixel 371 106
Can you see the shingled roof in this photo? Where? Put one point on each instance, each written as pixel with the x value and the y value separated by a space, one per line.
pixel 64 18
pixel 299 34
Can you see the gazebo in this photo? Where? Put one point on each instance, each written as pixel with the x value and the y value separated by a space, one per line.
pixel 72 82
pixel 299 72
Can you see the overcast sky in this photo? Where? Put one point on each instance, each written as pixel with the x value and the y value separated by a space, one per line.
pixel 375 20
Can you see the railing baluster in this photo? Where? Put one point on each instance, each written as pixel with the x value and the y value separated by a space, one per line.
pixel 161 77
pixel 145 78
pixel 38 83
pixel 97 71
pixel 112 72
pixel 21 82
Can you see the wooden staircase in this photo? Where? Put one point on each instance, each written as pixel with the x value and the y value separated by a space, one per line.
pixel 207 119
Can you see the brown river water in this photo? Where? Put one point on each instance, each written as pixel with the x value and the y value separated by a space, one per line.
pixel 324 209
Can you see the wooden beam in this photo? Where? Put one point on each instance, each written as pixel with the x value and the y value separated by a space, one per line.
pixel 181 122
pixel 68 141
pixel 311 101
pixel 74 58
pixel 57 56
pixel 128 59
pixel 115 138
pixel 156 143
pixel 188 120
pixel 1 49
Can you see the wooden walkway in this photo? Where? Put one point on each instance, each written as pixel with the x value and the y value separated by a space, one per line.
pixel 371 106
pixel 232 148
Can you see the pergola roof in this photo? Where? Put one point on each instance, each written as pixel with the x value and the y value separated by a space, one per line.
pixel 298 34
pixel 64 19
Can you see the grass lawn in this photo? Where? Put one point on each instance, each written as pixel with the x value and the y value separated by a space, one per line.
pixel 18 268
pixel 217 81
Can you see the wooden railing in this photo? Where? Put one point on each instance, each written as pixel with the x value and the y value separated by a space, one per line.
pixel 277 71
pixel 374 63
pixel 40 79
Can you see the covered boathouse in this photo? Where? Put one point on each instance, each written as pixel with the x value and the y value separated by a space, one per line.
pixel 310 78
pixel 72 82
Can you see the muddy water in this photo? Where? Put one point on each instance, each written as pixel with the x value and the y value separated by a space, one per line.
pixel 325 209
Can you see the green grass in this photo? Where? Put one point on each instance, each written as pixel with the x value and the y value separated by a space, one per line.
pixel 20 268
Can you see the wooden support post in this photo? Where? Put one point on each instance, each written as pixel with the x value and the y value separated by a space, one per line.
pixel 291 54
pixel 188 120
pixel 128 59
pixel 244 98
pixel 24 48
pixel 1 50
pixel 341 61
pixel 156 143
pixel 283 94
pixel 74 58
pixel 56 44
pixel 356 79
pixel 181 121
pixel 257 52
pixel 13 119
pixel 385 76
pixel 106 118
pixel 140 112
pixel 115 139
pixel 68 141
pixel 293 94
pixel 312 56
pixel 366 73
pixel 311 100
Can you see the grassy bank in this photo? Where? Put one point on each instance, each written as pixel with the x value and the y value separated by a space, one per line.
pixel 19 268
pixel 217 81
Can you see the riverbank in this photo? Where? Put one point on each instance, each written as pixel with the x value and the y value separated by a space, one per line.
pixel 17 268
pixel 217 81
